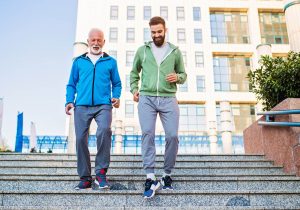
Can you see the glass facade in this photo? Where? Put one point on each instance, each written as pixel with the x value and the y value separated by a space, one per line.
pixel 243 115
pixel 229 27
pixel 113 34
pixel 114 12
pixel 192 118
pixel 197 36
pixel 181 35
pixel 183 87
pixel 180 13
pixel 199 61
pixel 200 83
pixel 196 14
pixel 164 12
pixel 230 73
pixel 130 13
pixel 147 34
pixel 129 58
pixel 273 28
pixel 147 12
pixel 130 37
pixel 129 108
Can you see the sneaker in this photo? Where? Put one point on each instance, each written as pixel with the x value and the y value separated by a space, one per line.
pixel 150 187
pixel 101 181
pixel 166 182
pixel 84 184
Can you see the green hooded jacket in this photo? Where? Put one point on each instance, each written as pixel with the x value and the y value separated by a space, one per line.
pixel 153 78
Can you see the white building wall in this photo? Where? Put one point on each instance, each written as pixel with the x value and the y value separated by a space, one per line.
pixel 96 13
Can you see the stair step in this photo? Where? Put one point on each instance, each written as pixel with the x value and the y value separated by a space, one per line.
pixel 125 157
pixel 73 163
pixel 139 171
pixel 133 198
pixel 178 184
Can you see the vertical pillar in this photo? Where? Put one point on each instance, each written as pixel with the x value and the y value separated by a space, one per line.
pixel 70 130
pixel 226 127
pixel 212 132
pixel 118 136
pixel 292 11
pixel 33 139
pixel 262 50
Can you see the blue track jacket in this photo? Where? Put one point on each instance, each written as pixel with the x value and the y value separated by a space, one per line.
pixel 93 84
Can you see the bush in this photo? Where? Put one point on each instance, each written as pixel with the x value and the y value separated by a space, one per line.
pixel 276 79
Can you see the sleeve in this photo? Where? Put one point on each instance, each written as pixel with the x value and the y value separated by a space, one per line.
pixel 71 86
pixel 134 74
pixel 179 68
pixel 116 81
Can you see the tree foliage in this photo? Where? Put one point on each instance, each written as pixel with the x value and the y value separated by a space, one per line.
pixel 277 79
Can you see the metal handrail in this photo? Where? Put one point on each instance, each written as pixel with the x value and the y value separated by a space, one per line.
pixel 270 118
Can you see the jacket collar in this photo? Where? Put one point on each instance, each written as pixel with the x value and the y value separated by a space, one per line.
pixel 148 44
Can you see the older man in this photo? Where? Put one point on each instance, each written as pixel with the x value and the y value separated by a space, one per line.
pixel 94 88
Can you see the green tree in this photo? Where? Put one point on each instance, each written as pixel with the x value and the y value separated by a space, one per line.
pixel 277 79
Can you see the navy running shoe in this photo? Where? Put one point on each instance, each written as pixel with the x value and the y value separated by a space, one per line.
pixel 84 184
pixel 150 188
pixel 101 181
pixel 166 183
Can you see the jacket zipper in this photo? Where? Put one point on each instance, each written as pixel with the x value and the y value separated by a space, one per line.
pixel 93 84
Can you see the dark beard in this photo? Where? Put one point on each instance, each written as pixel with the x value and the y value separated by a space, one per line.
pixel 159 41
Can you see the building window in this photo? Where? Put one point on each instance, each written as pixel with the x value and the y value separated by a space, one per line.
pixel 127 87
pixel 113 34
pixel 243 115
pixel 196 14
pixel 192 117
pixel 197 35
pixel 200 83
pixel 184 57
pixel 183 87
pixel 181 35
pixel 147 12
pixel 129 58
pixel 199 61
pixel 273 28
pixel 129 108
pixel 130 12
pixel 113 53
pixel 180 13
pixel 230 73
pixel 229 27
pixel 164 12
pixel 130 35
pixel 114 12
pixel 147 34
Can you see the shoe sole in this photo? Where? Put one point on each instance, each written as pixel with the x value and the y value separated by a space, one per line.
pixel 156 188
pixel 89 188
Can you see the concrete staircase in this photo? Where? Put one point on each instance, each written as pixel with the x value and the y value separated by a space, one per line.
pixel 46 181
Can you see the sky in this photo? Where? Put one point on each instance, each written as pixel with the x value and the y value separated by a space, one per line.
pixel 36 48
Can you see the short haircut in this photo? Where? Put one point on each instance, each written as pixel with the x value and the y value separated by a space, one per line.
pixel 157 20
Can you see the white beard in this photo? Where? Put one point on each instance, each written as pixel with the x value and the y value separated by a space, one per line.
pixel 94 51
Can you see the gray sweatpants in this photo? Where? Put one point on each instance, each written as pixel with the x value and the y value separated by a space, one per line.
pixel 83 116
pixel 168 110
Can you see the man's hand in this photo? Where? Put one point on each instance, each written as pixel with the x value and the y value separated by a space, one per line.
pixel 136 96
pixel 68 108
pixel 172 77
pixel 115 102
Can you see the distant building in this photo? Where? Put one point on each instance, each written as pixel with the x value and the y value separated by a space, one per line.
pixel 218 39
